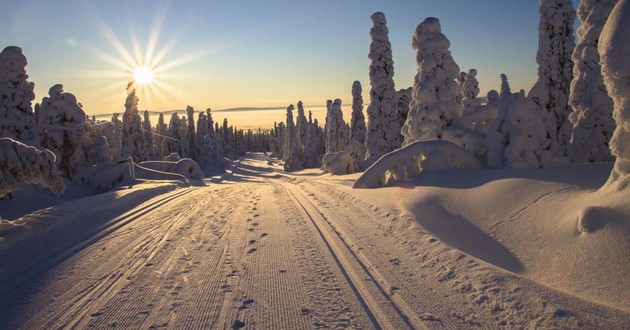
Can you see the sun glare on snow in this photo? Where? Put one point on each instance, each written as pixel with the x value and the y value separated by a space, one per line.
pixel 143 75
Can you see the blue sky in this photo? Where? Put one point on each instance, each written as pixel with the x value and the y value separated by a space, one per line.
pixel 223 54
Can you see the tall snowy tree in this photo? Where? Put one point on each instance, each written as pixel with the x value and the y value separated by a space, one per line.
pixel 301 125
pixel 176 133
pixel 64 130
pixel 190 132
pixel 292 150
pixel 403 98
pixel 434 99
pixel 357 119
pixel 356 143
pixel 614 51
pixel 115 145
pixel 161 130
pixel 313 149
pixel 17 119
pixel 148 148
pixel 383 130
pixel 592 120
pixel 336 135
pixel 505 86
pixel 555 71
pixel 132 138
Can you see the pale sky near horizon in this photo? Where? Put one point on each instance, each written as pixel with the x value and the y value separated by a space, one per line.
pixel 225 54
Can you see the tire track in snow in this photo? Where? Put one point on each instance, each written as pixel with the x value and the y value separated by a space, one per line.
pixel 79 245
pixel 380 308
pixel 426 300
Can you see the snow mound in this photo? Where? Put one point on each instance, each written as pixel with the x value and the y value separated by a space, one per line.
pixel 20 163
pixel 340 163
pixel 418 156
pixel 532 222
pixel 186 167
pixel 105 177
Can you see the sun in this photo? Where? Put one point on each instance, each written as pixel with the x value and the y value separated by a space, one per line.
pixel 143 75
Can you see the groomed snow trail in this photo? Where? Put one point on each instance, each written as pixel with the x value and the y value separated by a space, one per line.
pixel 264 250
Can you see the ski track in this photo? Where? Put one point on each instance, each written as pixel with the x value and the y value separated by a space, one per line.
pixel 266 251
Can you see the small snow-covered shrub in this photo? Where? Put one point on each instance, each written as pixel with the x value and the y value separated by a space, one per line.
pixel 104 177
pixel 20 163
pixel 412 159
pixel 340 163
pixel 173 157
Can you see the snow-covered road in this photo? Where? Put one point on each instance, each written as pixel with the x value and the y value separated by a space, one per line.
pixel 268 251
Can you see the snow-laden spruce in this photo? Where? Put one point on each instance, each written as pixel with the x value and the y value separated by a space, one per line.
pixel 115 144
pixel 434 100
pixel 301 124
pixel 614 51
pixel 555 72
pixel 592 120
pixel 336 136
pixel 20 163
pixel 293 150
pixel 517 137
pixel 383 128
pixel 356 141
pixel 505 86
pixel 470 91
pixel 16 96
pixel 132 137
pixel 148 147
pixel 64 130
pixel 357 119
pixel 403 98
pixel 190 132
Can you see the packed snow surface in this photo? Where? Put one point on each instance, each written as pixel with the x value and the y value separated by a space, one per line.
pixel 450 248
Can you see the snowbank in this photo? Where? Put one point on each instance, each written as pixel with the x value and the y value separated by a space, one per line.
pixel 186 167
pixel 419 156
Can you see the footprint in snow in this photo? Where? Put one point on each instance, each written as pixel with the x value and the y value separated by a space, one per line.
pixel 238 324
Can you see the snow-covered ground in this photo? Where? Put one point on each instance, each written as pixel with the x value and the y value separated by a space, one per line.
pixel 260 248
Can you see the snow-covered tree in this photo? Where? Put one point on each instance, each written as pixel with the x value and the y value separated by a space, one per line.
pixel 470 91
pixel 505 86
pixel 434 99
pixel 403 98
pixel 292 149
pixel 592 120
pixel 336 135
pixel 115 143
pixel 161 130
pixel 614 51
pixel 190 132
pixel 148 148
pixel 64 130
pixel 357 119
pixel 313 149
pixel 555 71
pixel 173 145
pixel 517 137
pixel 16 95
pixel 20 163
pixel 383 129
pixel 301 125
pixel 492 97
pixel 132 137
